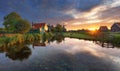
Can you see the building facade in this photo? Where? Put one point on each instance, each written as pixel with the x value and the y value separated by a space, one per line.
pixel 103 29
pixel 42 27
pixel 115 27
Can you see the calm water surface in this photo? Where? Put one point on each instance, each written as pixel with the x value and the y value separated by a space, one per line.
pixel 68 55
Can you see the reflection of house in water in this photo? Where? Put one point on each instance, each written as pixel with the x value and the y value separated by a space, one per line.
pixel 39 44
pixel 103 44
pixel 42 43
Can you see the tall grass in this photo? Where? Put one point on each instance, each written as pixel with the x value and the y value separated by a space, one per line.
pixel 23 38
pixel 18 39
pixel 79 36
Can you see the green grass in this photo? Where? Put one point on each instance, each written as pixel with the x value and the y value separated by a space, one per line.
pixel 18 39
pixel 116 34
pixel 79 35
pixel 113 38
pixel 7 41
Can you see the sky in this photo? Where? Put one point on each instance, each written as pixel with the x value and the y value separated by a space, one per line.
pixel 75 14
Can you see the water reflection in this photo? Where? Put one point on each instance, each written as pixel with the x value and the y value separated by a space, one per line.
pixel 17 52
pixel 104 44
pixel 58 38
pixel 44 41
pixel 80 55
pixel 82 61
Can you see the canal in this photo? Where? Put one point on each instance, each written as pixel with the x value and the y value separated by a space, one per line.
pixel 67 54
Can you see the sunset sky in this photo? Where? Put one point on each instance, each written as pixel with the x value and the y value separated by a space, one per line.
pixel 75 14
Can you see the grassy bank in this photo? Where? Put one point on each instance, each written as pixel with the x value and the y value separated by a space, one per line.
pixel 7 41
pixel 113 38
pixel 79 36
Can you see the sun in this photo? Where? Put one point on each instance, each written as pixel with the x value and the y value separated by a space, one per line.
pixel 92 29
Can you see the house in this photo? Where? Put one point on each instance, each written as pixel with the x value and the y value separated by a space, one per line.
pixel 42 27
pixel 115 27
pixel 103 29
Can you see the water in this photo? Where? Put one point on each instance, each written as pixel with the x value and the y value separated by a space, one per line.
pixel 68 55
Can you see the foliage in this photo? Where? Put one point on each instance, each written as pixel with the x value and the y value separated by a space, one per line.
pixel 15 24
pixel 22 26
pixel 2 30
pixel 29 37
pixel 57 28
pixel 18 52
pixel 18 39
pixel 103 37
pixel 37 36
pixel 10 20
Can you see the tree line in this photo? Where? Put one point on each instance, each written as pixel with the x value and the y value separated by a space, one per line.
pixel 56 28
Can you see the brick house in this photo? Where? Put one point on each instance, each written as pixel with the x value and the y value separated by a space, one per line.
pixel 103 29
pixel 115 27
pixel 42 27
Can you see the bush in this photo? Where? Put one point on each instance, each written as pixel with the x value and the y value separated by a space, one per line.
pixel 20 39
pixel 29 37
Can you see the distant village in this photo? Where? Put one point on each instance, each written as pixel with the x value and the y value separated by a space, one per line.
pixel 45 27
pixel 114 28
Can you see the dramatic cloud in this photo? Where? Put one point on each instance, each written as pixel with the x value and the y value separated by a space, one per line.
pixel 71 12
pixel 86 5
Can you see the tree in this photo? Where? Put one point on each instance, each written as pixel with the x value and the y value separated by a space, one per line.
pixel 59 28
pixel 22 26
pixel 15 24
pixel 10 20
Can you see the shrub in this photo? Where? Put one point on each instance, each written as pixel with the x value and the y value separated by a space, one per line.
pixel 19 38
pixel 29 37
pixel 37 36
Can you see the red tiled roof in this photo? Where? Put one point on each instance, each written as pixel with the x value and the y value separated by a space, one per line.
pixel 38 25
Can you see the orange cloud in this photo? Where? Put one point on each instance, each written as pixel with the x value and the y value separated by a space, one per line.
pixel 88 26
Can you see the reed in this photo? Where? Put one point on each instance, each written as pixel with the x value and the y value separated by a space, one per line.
pixel 18 39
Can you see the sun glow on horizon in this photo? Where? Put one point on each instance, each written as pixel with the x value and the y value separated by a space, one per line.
pixel 92 29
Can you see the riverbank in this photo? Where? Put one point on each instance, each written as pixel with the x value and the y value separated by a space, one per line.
pixel 79 36
pixel 106 37
pixel 6 41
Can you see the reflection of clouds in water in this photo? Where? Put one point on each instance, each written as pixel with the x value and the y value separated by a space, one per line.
pixel 70 55
pixel 75 46
pixel 77 49
pixel 82 46
pixel 81 61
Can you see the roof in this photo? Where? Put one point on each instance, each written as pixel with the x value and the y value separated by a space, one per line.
pixel 38 25
pixel 117 23
pixel 103 28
